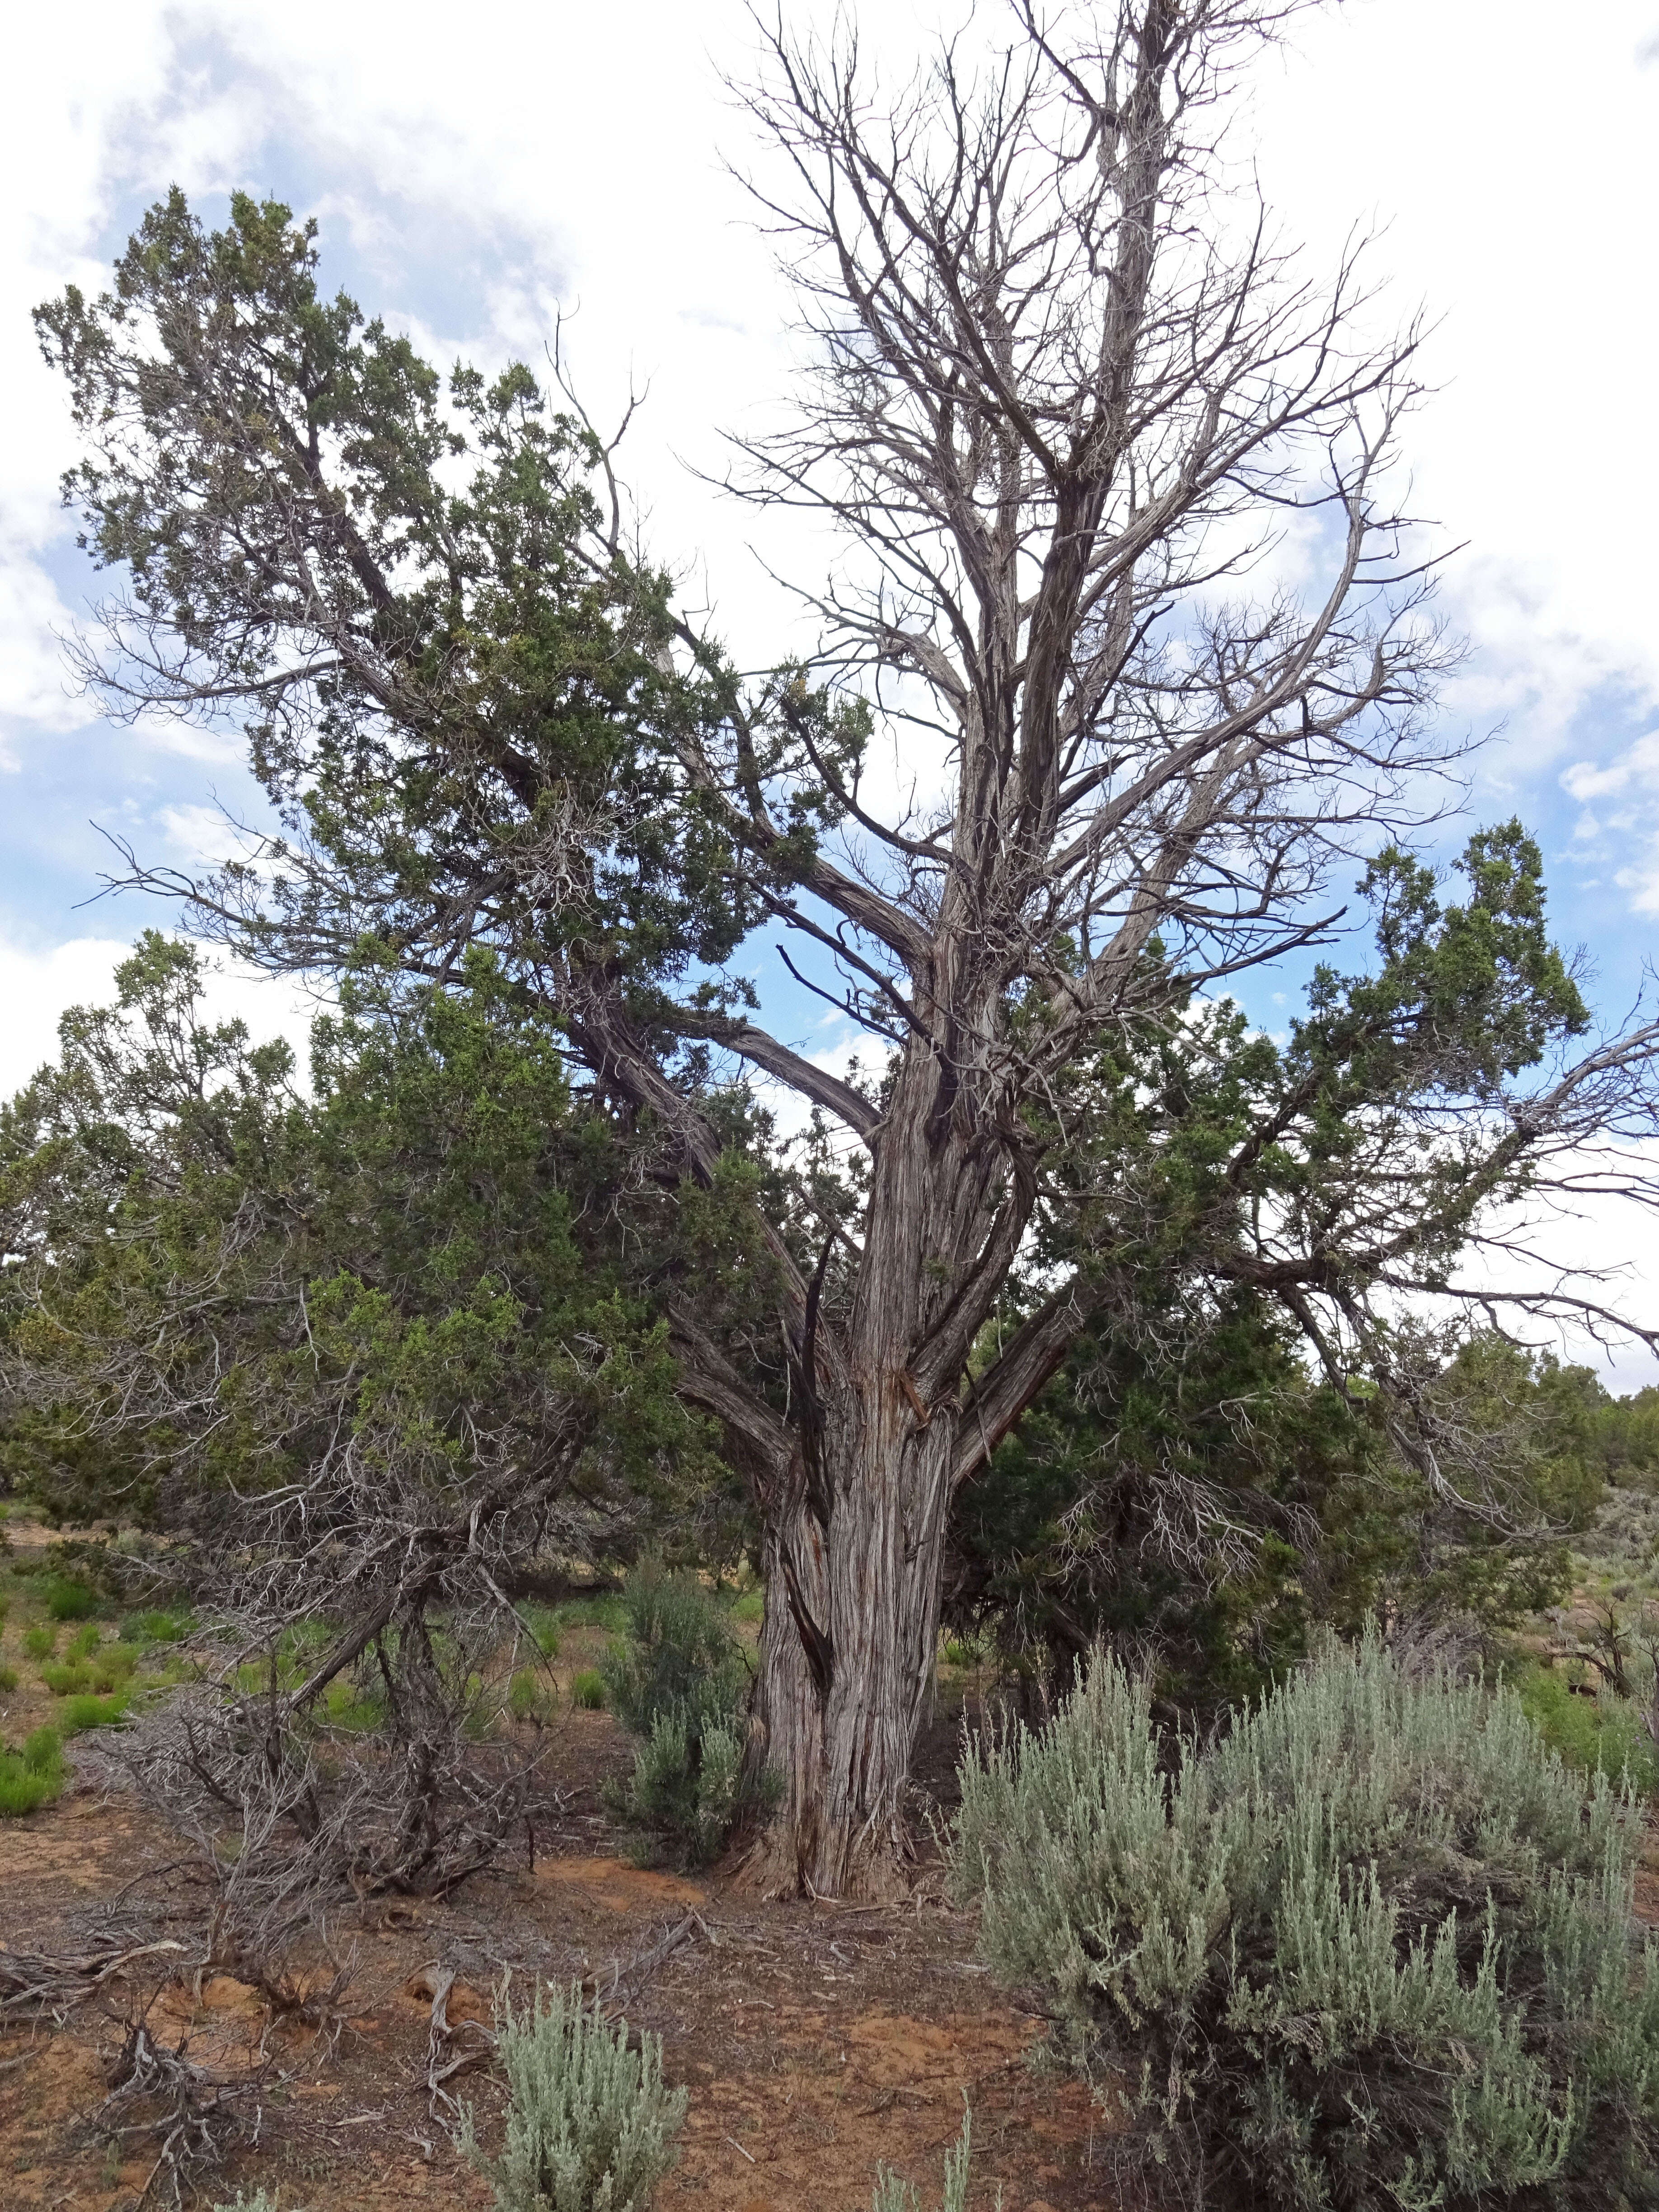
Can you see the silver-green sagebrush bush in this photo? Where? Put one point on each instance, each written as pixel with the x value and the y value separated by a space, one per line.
pixel 1374 1949
pixel 590 2126
pixel 893 2195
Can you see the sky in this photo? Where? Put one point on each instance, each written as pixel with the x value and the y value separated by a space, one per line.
pixel 476 172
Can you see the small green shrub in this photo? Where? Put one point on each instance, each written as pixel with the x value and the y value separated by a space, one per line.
pixel 749 1607
pixel 86 1710
pixel 543 1622
pixel 160 1626
pixel 1372 1949
pixel 8 1676
pixel 85 1641
pixel 96 1676
pixel 590 2127
pixel 678 1653
pixel 32 1776
pixel 607 1611
pixel 893 2195
pixel 680 1682
pixel 1600 1734
pixel 344 1704
pixel 67 1599
pixel 587 1690
pixel 529 1697
pixel 685 1792
pixel 40 1642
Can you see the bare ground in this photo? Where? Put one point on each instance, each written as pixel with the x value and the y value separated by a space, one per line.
pixel 815 2041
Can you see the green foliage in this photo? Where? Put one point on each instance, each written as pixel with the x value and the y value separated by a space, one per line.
pixel 8 1676
pixel 891 2194
pixel 678 1652
pixel 1193 1482
pixel 1600 1734
pixel 98 1674
pixel 160 1625
pixel 490 684
pixel 590 2126
pixel 608 1612
pixel 680 1682
pixel 529 1697
pixel 66 1600
pixel 40 1641
pixel 415 1263
pixel 687 1789
pixel 33 1775
pixel 543 1622
pixel 749 1607
pixel 346 1706
pixel 587 1691
pixel 1204 1499
pixel 84 1711
pixel 1373 1947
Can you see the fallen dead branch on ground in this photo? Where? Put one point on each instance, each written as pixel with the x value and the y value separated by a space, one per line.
pixel 36 1982
pixel 627 1981
pixel 198 2113
pixel 443 2064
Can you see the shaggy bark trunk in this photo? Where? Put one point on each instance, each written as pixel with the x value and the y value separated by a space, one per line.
pixel 839 1734
pixel 853 1558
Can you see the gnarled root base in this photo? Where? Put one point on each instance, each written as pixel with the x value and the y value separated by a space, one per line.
pixel 879 1869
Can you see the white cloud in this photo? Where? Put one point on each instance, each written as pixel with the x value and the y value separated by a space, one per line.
pixel 1630 828
pixel 1458 130
pixel 41 982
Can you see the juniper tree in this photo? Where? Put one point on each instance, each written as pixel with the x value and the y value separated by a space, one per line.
pixel 1061 393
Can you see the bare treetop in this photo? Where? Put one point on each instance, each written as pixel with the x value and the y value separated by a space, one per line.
pixel 1060 408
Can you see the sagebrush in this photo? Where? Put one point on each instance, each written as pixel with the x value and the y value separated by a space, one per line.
pixel 892 2194
pixel 1375 1948
pixel 590 2125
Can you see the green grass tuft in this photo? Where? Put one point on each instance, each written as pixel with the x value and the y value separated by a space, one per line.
pixel 1601 1734
pixel 543 1622
pixel 159 1627
pixel 587 1691
pixel 69 1600
pixel 94 1676
pixel 529 1697
pixel 751 1606
pixel 32 1776
pixel 39 1643
pixel 344 1705
pixel 8 1677
pixel 85 1710
pixel 608 1612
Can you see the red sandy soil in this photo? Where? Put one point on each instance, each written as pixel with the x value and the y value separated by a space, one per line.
pixel 815 2041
